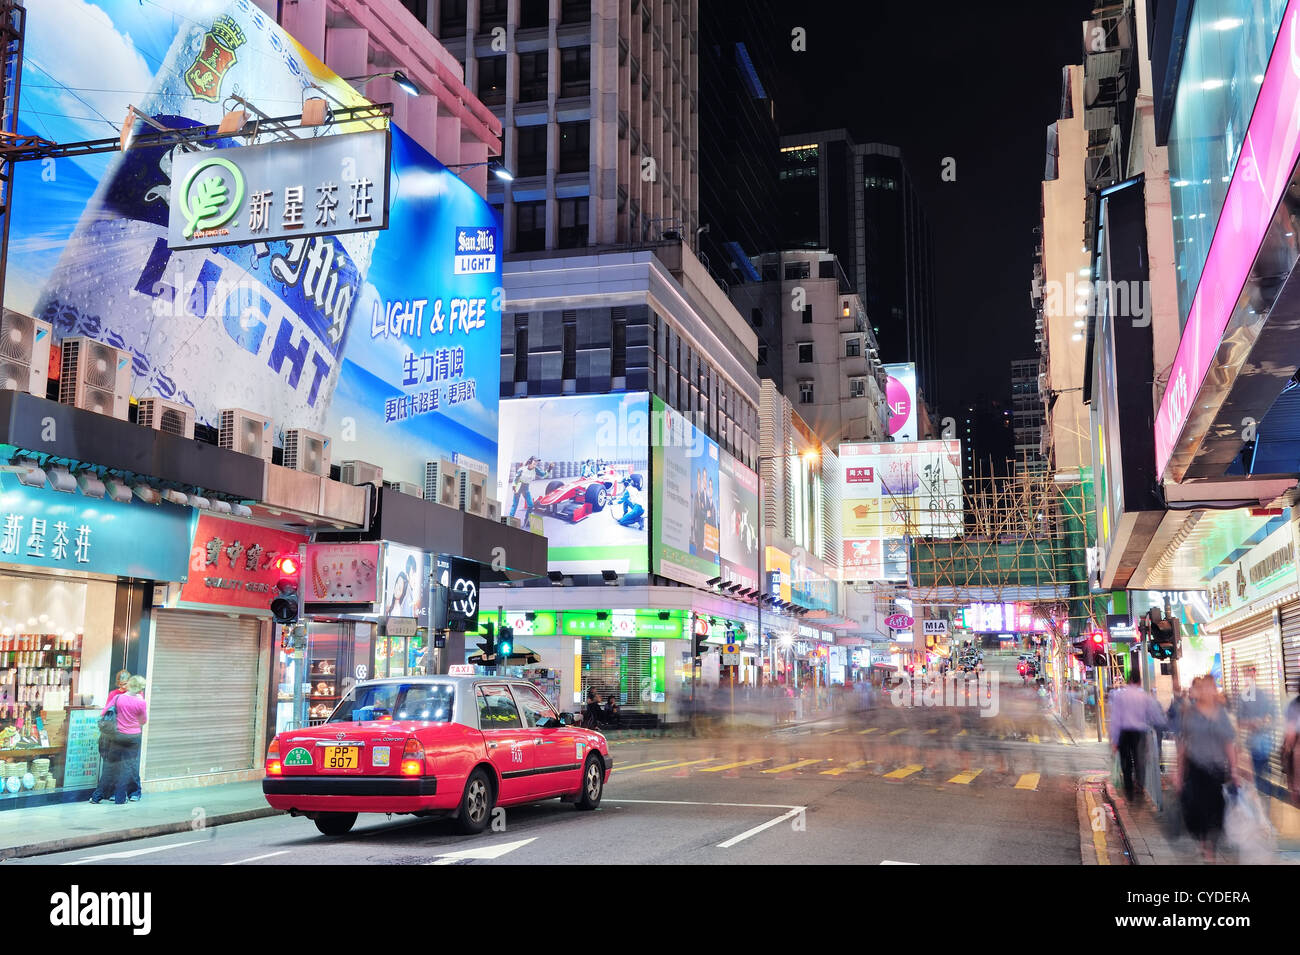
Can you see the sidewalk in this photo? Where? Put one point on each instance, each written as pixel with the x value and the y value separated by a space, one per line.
pixel 77 825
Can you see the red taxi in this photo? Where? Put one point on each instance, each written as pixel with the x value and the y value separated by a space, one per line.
pixel 435 746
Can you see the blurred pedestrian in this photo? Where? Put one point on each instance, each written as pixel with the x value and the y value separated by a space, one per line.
pixel 124 766
pixel 1207 760
pixel 1133 713
pixel 1256 714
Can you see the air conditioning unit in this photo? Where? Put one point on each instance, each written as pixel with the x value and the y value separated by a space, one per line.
pixel 95 377
pixel 170 416
pixel 24 353
pixel 307 451
pixel 361 472
pixel 245 432
pixel 494 510
pixel 473 495
pixel 405 487
pixel 442 482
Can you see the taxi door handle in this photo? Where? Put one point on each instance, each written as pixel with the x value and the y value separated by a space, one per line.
pixel 492 745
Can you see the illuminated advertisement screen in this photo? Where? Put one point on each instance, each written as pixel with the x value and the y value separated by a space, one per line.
pixel 686 499
pixel 574 468
pixel 900 396
pixel 384 340
pixel 738 498
pixel 891 491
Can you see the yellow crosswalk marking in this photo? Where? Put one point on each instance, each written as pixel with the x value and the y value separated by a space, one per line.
pixel 1033 737
pixel 964 733
pixel 856 764
pixel 896 732
pixel 691 762
pixel 639 765
pixel 789 766
pixel 931 732
pixel 904 771
pixel 743 762
pixel 833 732
pixel 1065 740
pixel 965 777
pixel 870 729
pixel 1029 781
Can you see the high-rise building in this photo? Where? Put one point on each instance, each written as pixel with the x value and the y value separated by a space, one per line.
pixel 987 436
pixel 815 342
pixel 598 99
pixel 1027 414
pixel 858 201
pixel 738 153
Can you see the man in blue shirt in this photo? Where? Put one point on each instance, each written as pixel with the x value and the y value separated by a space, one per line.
pixel 1132 714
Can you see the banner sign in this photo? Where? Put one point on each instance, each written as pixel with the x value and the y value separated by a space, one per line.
pixel 1265 569
pixel 232 565
pixel 340 574
pixel 323 185
pixel 457 600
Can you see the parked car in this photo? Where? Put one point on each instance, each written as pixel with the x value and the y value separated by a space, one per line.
pixel 435 746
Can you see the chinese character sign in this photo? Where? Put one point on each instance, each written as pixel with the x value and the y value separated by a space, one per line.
pixel 232 564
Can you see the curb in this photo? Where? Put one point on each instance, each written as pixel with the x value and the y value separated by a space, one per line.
pixel 1094 847
pixel 125 835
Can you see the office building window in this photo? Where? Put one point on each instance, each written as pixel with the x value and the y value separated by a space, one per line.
pixel 521 347
pixel 530 151
pixel 618 344
pixel 805 392
pixel 852 347
pixel 534 13
pixel 805 352
pixel 756 317
pixel 569 368
pixel 573 223
pixel 491 13
pixel 826 269
pixel 492 80
pixel 419 9
pixel 797 270
pixel 857 387
pixel 575 11
pixel 807 314
pixel 762 353
pixel 532 76
pixel 769 271
pixel 530 226
pixel 451 21
pixel 575 71
pixel 575 154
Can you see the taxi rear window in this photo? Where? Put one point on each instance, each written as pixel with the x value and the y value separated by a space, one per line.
pixel 423 702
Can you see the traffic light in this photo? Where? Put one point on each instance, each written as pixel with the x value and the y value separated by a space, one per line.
pixel 489 644
pixel 1094 648
pixel 697 643
pixel 506 642
pixel 284 606
pixel 1163 639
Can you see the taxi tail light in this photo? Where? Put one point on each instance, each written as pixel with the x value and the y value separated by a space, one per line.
pixel 273 766
pixel 413 758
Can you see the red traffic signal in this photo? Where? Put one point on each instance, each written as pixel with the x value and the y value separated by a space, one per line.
pixel 1098 637
pixel 287 565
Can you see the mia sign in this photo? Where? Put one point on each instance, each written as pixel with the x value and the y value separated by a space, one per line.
pixel 326 185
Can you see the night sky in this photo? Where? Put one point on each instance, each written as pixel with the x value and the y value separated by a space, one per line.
pixel 978 83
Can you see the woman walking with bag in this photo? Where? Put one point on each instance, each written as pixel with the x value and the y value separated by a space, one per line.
pixel 124 767
pixel 1207 760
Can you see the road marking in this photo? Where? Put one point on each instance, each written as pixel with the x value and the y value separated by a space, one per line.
pixel 892 862
pixel 856 764
pixel 904 771
pixel 1033 738
pixel 131 853
pixel 896 732
pixel 965 777
pixel 743 762
pixel 930 732
pixel 872 729
pixel 267 855
pixel 480 852
pixel 757 829
pixel 1065 740
pixel 1098 835
pixel 691 762
pixel 639 765
pixel 1029 781
pixel 789 766
pixel 963 732
pixel 833 732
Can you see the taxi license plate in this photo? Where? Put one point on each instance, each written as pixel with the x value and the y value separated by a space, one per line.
pixel 341 757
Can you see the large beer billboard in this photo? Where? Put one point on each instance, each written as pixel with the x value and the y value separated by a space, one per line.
pixel 387 339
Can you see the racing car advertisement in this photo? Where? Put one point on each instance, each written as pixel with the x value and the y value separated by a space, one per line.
pixel 575 469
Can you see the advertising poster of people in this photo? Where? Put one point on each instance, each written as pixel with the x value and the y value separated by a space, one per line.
pixel 384 339
pixel 406 584
pixel 891 492
pixel 900 396
pixel 686 499
pixel 739 532
pixel 574 469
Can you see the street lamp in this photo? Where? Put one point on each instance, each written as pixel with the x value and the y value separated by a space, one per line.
pixel 400 79
pixel 495 165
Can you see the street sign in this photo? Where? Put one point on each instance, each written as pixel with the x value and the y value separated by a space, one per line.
pixel 731 655
pixel 899 621
pixel 460 669
pixel 935 627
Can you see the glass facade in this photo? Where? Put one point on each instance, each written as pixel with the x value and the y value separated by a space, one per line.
pixel 1228 47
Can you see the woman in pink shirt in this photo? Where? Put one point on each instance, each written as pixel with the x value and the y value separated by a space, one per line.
pixel 124 761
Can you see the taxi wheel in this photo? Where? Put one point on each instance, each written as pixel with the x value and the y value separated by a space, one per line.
pixel 335 823
pixel 475 804
pixel 593 784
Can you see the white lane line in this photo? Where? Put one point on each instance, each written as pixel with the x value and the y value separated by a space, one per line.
pixel 757 829
pixel 268 855
pixel 790 812
pixel 131 853
pixel 892 862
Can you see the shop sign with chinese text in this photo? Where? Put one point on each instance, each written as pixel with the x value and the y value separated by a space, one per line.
pixel 1268 567
pixel 45 528
pixel 232 564
pixel 325 185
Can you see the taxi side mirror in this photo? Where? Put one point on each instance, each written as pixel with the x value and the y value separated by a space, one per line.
pixel 566 719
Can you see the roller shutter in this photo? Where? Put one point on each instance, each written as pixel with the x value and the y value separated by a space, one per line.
pixel 204 690
pixel 1291 648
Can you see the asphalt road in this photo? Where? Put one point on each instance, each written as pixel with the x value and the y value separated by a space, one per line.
pixel 890 785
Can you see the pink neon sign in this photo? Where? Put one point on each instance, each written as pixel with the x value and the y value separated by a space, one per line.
pixel 1268 154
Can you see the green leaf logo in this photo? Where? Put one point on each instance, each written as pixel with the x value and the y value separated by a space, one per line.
pixel 207 203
